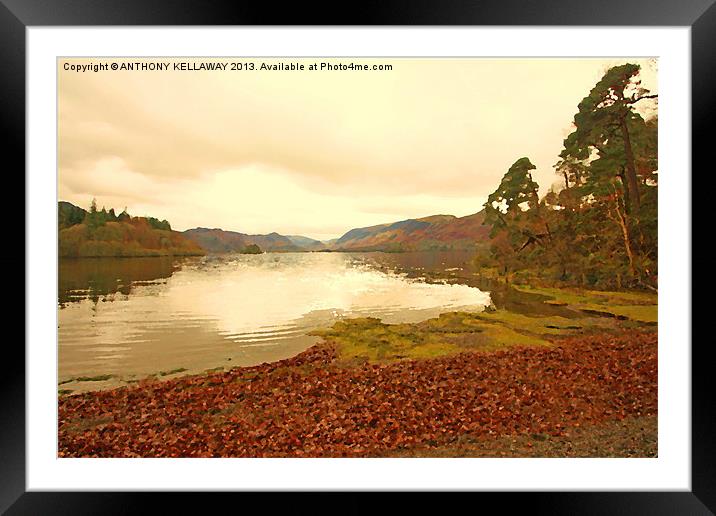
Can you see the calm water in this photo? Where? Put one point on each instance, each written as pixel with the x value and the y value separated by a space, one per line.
pixel 133 317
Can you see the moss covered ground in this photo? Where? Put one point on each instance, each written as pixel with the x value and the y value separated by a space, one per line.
pixel 370 339
pixel 634 306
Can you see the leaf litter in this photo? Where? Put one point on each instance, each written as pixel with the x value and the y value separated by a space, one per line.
pixel 311 406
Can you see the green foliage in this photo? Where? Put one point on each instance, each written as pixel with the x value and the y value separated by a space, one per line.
pixel 95 218
pixel 450 333
pixel 103 233
pixel 69 215
pixel 252 249
pixel 600 229
pixel 159 224
pixel 513 211
pixel 636 306
pixel 516 188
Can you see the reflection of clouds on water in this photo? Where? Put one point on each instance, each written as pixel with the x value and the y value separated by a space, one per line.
pixel 264 304
pixel 269 291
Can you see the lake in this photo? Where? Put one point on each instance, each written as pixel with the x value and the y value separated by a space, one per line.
pixel 128 318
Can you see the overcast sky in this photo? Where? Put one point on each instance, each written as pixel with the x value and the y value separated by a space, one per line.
pixel 314 153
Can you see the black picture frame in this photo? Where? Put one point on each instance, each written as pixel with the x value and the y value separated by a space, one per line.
pixel 17 15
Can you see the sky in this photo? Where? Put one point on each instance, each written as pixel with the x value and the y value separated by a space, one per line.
pixel 313 152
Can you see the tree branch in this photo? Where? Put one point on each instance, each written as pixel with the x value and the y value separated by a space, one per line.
pixel 635 99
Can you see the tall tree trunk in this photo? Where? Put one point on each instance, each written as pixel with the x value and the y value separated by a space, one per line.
pixel 622 177
pixel 632 181
pixel 621 220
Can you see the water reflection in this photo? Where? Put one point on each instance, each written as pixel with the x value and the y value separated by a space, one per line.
pixel 93 278
pixel 233 310
pixel 459 267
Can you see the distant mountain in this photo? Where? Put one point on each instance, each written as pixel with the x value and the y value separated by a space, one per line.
pixel 220 241
pixel 437 232
pixel 273 242
pixel 217 240
pixel 306 243
pixel 101 233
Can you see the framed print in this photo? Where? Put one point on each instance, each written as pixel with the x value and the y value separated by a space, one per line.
pixel 416 253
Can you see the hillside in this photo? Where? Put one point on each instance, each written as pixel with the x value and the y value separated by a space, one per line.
pixel 104 234
pixel 68 214
pixel 308 244
pixel 219 241
pixel 437 232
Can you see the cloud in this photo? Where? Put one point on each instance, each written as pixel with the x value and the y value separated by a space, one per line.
pixel 386 143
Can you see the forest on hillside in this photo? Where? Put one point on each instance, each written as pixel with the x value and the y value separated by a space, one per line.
pixel 99 233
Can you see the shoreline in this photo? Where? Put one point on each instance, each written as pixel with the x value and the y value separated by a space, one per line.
pixel 571 373
pixel 564 312
pixel 317 405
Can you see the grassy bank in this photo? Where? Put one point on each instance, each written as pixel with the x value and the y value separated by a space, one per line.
pixel 369 339
pixel 493 384
pixel 635 306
